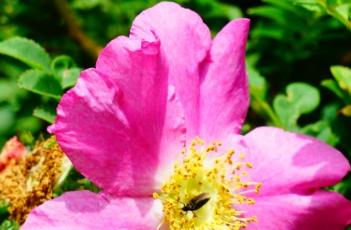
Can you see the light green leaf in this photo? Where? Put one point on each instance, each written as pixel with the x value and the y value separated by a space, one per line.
pixel 346 110
pixel 342 74
pixel 65 69
pixel 333 86
pixel 26 51
pixel 300 99
pixel 322 130
pixel 231 11
pixel 46 113
pixel 312 5
pixel 8 90
pixel 9 225
pixel 28 123
pixel 41 83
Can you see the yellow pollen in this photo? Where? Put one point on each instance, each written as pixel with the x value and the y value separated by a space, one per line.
pixel 205 188
pixel 27 183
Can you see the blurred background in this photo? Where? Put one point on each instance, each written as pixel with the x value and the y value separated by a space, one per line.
pixel 298 57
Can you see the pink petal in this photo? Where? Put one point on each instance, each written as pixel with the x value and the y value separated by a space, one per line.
pixel 113 124
pixel 320 210
pixel 185 41
pixel 224 89
pixel 288 162
pixel 90 211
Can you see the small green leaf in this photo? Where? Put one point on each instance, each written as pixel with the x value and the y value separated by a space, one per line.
pixel 300 99
pixel 346 111
pixel 9 225
pixel 41 83
pixel 65 69
pixel 342 74
pixel 333 86
pixel 46 113
pixel 26 51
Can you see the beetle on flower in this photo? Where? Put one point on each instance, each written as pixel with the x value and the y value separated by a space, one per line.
pixel 156 125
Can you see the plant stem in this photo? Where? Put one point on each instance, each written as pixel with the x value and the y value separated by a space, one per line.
pixel 75 31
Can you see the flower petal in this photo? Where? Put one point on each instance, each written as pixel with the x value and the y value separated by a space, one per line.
pixel 185 41
pixel 224 97
pixel 85 210
pixel 320 210
pixel 288 162
pixel 114 123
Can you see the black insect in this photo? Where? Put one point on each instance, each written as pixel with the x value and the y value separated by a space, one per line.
pixel 197 202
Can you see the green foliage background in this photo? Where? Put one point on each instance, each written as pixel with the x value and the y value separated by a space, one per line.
pixel 299 54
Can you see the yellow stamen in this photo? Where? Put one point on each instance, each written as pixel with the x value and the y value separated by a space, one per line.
pixel 201 173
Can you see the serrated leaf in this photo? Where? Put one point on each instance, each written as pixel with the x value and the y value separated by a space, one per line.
pixel 46 113
pixel 300 99
pixel 26 51
pixel 41 83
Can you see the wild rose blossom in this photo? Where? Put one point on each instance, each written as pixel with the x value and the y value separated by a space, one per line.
pixel 13 149
pixel 155 124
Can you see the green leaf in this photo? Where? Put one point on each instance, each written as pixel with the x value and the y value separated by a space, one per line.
pixel 346 110
pixel 344 187
pixel 334 87
pixel 26 51
pixel 3 211
pixel 9 225
pixel 312 5
pixel 300 98
pixel 258 84
pixel 41 83
pixel 230 11
pixel 342 74
pixel 8 90
pixel 322 130
pixel 65 69
pixel 7 118
pixel 28 123
pixel 46 113
pixel 258 91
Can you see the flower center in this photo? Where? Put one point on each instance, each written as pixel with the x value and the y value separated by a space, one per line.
pixel 205 189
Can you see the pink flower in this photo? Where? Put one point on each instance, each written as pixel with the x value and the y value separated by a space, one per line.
pixel 13 149
pixel 130 125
